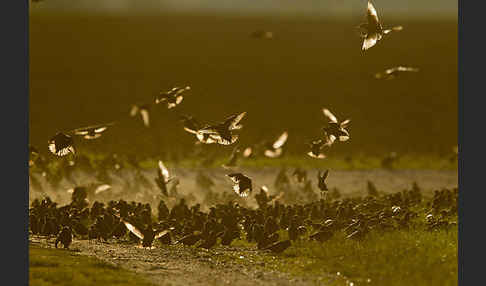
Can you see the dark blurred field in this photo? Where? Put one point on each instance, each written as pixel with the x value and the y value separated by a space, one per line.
pixel 90 69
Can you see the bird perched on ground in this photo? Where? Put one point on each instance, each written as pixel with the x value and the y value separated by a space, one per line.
pixel 173 97
pixel 223 131
pixel 335 129
pixel 241 184
pixel 147 235
pixel 143 110
pixel 321 178
pixel 190 239
pixel 275 150
pixel 65 237
pixel 92 132
pixel 163 178
pixel 61 144
pixel 279 247
pixel 372 29
pixel 211 240
pixel 393 72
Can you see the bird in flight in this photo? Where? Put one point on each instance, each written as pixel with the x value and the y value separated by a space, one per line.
pixel 221 133
pixel 241 184
pixel 92 132
pixel 275 150
pixel 316 147
pixel 61 144
pixel 146 235
pixel 143 110
pixel 321 179
pixel 173 97
pixel 335 129
pixel 373 31
pixel 393 72
pixel 163 178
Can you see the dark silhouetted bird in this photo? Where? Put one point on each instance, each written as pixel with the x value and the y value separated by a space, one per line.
pixel 222 132
pixel 279 247
pixel 241 184
pixel 321 178
pixel 61 144
pixel 335 129
pixel 65 237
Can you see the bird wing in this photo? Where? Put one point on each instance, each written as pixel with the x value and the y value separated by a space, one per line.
pixel 145 117
pixel 236 120
pixel 329 115
pixel 273 153
pixel 370 41
pixel 102 188
pixel 162 233
pixel 326 173
pixel 134 110
pixel 247 152
pixel 319 156
pixel 345 123
pixel 223 141
pixel 281 140
pixel 372 17
pixel 133 229
pixel 163 170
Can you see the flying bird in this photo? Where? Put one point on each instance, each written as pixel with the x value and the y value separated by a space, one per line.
pixel 316 147
pixel 61 144
pixel 221 132
pixel 143 110
pixel 335 129
pixel 373 31
pixel 241 184
pixel 392 73
pixel 163 178
pixel 276 149
pixel 173 97
pixel 92 132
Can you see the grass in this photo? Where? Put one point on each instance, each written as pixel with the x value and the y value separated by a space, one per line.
pixel 60 267
pixel 414 257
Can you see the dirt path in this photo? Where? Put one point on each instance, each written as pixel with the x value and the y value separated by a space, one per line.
pixel 180 265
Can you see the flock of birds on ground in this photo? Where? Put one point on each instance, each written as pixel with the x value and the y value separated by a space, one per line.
pixel 318 220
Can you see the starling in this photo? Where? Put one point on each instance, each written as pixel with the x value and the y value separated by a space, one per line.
pixel 279 247
pixel 373 31
pixel 173 97
pixel 143 110
pixel 92 132
pixel 241 184
pixel 65 237
pixel 335 129
pixel 163 178
pixel 146 235
pixel 392 73
pixel 322 180
pixel 61 144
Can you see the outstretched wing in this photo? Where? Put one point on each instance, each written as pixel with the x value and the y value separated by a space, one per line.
pixel 102 188
pixel 372 16
pixel 133 229
pixel 281 140
pixel 235 122
pixel 329 115
pixel 326 173
pixel 273 153
pixel 164 170
pixel 162 233
pixel 145 117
